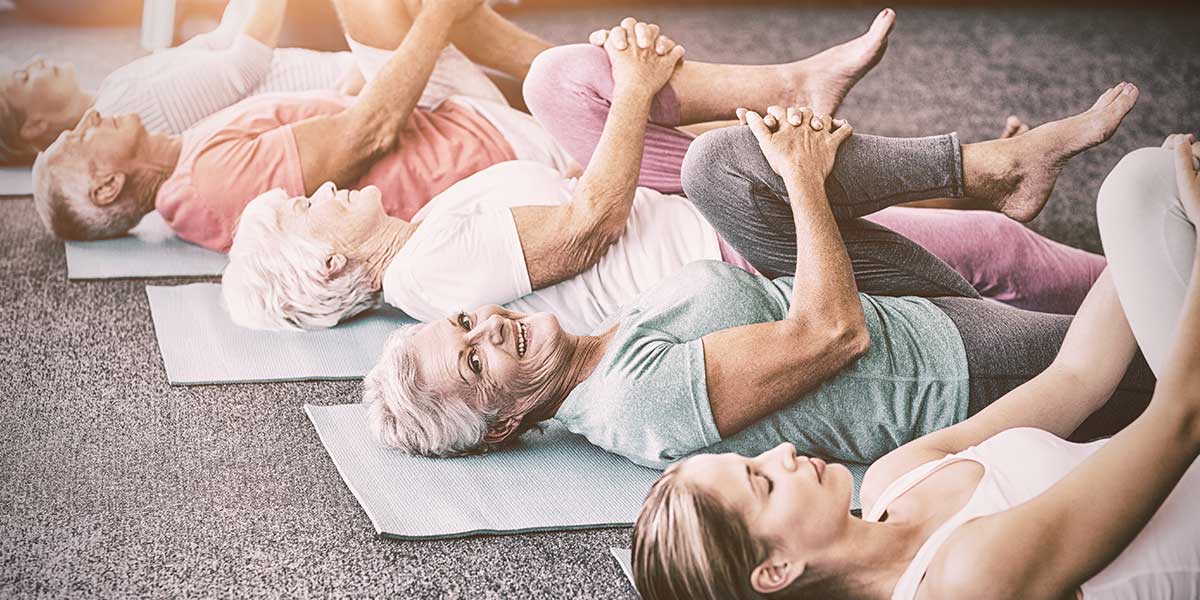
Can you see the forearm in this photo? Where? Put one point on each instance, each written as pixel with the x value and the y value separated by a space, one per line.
pixel 384 108
pixel 824 282
pixel 490 40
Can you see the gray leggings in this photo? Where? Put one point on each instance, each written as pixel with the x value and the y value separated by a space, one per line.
pixel 726 176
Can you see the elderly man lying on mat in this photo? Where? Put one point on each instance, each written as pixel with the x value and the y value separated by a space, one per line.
pixel 718 358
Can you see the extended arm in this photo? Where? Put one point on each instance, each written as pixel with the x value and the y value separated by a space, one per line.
pixel 1050 545
pixel 755 370
pixel 562 241
pixel 340 147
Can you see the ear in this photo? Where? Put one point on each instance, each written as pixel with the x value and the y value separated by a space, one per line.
pixel 106 188
pixel 774 574
pixel 502 430
pixel 33 129
pixel 334 265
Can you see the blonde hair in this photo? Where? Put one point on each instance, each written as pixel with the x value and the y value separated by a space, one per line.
pixel 688 544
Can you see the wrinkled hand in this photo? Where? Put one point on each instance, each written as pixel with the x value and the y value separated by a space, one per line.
pixel 643 60
pixel 796 142
pixel 1186 151
pixel 458 9
pixel 662 45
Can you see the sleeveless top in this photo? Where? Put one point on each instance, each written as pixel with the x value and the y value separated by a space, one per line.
pixel 1163 561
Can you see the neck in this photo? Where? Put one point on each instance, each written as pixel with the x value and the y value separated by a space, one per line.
pixel 583 358
pixel 157 159
pixel 879 553
pixel 383 247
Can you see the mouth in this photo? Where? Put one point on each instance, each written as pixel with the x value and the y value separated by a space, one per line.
pixel 818 466
pixel 522 339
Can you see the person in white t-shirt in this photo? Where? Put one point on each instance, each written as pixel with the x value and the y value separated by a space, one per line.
pixel 523 234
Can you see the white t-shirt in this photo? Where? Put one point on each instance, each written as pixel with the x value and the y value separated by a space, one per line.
pixel 466 251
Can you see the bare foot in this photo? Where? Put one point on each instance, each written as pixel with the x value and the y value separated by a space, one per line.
pixel 822 81
pixel 1013 127
pixel 1018 173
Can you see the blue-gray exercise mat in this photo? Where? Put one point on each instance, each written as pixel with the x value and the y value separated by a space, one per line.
pixel 553 480
pixel 16 181
pixel 201 345
pixel 624 558
pixel 150 250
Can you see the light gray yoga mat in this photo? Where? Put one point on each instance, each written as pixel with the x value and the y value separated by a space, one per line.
pixel 624 558
pixel 200 345
pixel 549 481
pixel 150 250
pixel 16 181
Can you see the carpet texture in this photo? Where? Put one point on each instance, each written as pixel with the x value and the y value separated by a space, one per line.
pixel 115 484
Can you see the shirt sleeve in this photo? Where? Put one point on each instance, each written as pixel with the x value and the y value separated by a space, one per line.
pixel 210 81
pixel 458 261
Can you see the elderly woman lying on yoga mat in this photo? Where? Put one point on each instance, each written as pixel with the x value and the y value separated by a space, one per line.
pixel 998 506
pixel 172 90
pixel 585 248
pixel 716 358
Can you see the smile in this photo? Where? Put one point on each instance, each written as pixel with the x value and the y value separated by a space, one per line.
pixel 522 339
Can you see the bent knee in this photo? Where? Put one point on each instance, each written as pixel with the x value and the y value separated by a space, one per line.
pixel 1142 183
pixel 559 71
pixel 714 158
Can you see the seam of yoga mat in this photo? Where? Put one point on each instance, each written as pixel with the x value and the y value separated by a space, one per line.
pixel 499 532
pixel 198 382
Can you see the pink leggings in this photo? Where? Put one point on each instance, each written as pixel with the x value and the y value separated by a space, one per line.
pixel 569 89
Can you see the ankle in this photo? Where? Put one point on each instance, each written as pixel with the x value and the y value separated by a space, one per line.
pixel 990 171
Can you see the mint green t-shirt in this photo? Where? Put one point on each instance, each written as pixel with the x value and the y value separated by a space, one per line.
pixel 647 400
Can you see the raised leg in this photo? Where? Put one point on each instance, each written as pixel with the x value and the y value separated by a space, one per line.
pixel 1151 246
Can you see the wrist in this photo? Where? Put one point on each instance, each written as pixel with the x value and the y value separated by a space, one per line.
pixel 632 93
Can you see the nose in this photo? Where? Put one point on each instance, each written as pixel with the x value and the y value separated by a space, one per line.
pixel 784 455
pixel 491 329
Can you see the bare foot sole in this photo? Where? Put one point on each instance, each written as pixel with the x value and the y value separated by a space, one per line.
pixel 1029 163
pixel 822 81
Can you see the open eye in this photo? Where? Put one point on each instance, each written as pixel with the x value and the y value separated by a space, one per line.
pixel 464 321
pixel 474 362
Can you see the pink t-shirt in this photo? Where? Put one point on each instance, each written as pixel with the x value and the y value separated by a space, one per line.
pixel 238 153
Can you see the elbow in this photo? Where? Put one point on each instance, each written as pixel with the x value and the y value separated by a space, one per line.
pixel 853 337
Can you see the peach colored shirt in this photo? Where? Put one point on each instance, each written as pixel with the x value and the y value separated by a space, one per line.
pixel 233 156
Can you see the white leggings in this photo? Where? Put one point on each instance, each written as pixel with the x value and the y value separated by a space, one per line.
pixel 1150 244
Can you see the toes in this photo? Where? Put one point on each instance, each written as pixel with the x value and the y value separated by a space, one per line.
pixel 1126 98
pixel 1011 126
pixel 883 22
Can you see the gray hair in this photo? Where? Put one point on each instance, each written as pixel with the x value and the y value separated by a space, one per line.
pixel 61 198
pixel 276 280
pixel 404 414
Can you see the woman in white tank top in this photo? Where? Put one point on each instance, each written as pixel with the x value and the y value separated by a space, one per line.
pixel 998 506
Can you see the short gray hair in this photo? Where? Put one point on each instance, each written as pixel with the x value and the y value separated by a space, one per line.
pixel 276 280
pixel 61 198
pixel 404 414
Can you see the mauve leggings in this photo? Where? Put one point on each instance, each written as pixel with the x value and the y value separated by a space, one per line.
pixel 569 88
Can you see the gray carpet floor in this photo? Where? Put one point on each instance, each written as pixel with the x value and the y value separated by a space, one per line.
pixel 115 484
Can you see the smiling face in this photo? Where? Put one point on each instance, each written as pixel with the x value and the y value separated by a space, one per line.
pixel 498 355
pixel 43 91
pixel 795 504
pixel 344 220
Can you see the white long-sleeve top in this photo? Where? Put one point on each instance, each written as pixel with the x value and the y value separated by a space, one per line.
pixel 176 88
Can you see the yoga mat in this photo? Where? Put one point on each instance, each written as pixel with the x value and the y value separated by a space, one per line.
pixel 624 558
pixel 200 344
pixel 16 181
pixel 549 481
pixel 150 250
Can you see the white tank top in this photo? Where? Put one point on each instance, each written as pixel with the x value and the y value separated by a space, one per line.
pixel 1162 562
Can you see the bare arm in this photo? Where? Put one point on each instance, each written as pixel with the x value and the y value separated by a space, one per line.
pixel 758 369
pixel 562 241
pixel 1094 356
pixel 340 147
pixel 1049 546
pixel 266 21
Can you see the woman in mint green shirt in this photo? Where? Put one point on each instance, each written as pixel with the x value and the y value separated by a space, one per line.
pixel 716 358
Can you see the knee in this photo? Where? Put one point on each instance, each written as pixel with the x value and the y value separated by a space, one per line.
pixel 563 72
pixel 713 160
pixel 1143 183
